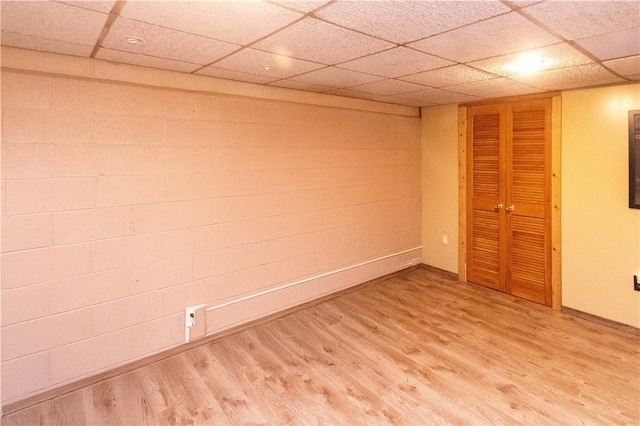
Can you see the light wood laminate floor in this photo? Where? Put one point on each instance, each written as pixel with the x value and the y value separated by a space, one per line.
pixel 418 348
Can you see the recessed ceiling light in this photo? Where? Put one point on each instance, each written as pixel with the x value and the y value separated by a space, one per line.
pixel 527 63
pixel 135 40
pixel 269 67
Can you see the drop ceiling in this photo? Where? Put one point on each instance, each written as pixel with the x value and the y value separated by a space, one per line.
pixel 404 52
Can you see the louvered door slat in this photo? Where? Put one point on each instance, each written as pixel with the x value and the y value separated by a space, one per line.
pixel 508 197
pixel 486 136
pixel 528 190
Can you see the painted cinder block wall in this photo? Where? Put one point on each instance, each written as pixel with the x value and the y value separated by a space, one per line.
pixel 123 203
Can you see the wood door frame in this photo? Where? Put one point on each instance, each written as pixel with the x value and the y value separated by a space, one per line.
pixel 556 187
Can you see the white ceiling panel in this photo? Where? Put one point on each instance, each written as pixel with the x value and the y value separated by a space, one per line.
pixel 496 36
pixel 53 21
pixel 166 43
pixel 438 96
pixel 388 87
pixel 45 45
pixel 363 95
pixel 238 22
pixel 561 55
pixel 336 77
pixel 266 63
pixel 145 61
pixel 299 85
pixel 579 19
pixel 567 78
pixel 235 75
pixel 406 21
pixel 98 5
pixel 448 76
pixel 627 67
pixel 396 62
pixel 317 41
pixel 303 6
pixel 614 45
pixel 397 51
pixel 489 88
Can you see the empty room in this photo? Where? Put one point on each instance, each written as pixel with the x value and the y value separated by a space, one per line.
pixel 320 212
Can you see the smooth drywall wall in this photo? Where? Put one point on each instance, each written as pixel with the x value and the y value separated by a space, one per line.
pixel 440 187
pixel 125 203
pixel 600 233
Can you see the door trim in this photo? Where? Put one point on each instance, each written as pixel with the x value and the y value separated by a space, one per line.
pixel 556 190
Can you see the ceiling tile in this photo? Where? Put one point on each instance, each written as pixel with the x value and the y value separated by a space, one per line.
pixel 524 3
pixel 336 77
pixel 45 45
pixel 304 6
pixel 318 41
pixel 299 85
pixel 627 67
pixel 166 43
pixel 145 61
pixel 560 55
pixel 613 45
pixel 496 36
pixel 396 62
pixel 52 21
pixel 493 88
pixel 239 22
pixel 98 5
pixel 235 75
pixel 437 96
pixel 579 19
pixel 256 61
pixel 448 76
pixel 361 95
pixel 388 87
pixel 406 21
pixel 567 78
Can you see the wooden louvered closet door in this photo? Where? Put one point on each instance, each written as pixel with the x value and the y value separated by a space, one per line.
pixel 508 198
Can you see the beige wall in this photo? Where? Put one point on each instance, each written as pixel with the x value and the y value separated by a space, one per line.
pixel 600 234
pixel 440 186
pixel 123 204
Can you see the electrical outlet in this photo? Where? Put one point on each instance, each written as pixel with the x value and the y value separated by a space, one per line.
pixel 194 322
pixel 445 239
pixel 190 316
pixel 636 284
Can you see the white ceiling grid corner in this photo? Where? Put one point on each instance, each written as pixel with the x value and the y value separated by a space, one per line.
pixel 54 25
pixel 496 36
pixel 580 19
pixel 396 62
pixel 613 45
pixel 300 40
pixel 238 22
pixel 626 67
pixel 405 21
pixel 561 55
pixel 267 64
pixel 162 42
pixel 412 52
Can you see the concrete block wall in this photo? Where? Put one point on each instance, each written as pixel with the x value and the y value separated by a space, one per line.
pixel 123 203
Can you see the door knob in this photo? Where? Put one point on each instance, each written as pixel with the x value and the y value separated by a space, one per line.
pixel 498 206
pixel 510 208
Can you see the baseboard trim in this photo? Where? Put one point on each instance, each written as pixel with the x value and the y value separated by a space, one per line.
pixel 152 359
pixel 565 310
pixel 602 321
pixel 442 272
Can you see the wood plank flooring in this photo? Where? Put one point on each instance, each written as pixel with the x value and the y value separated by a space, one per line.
pixel 416 349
